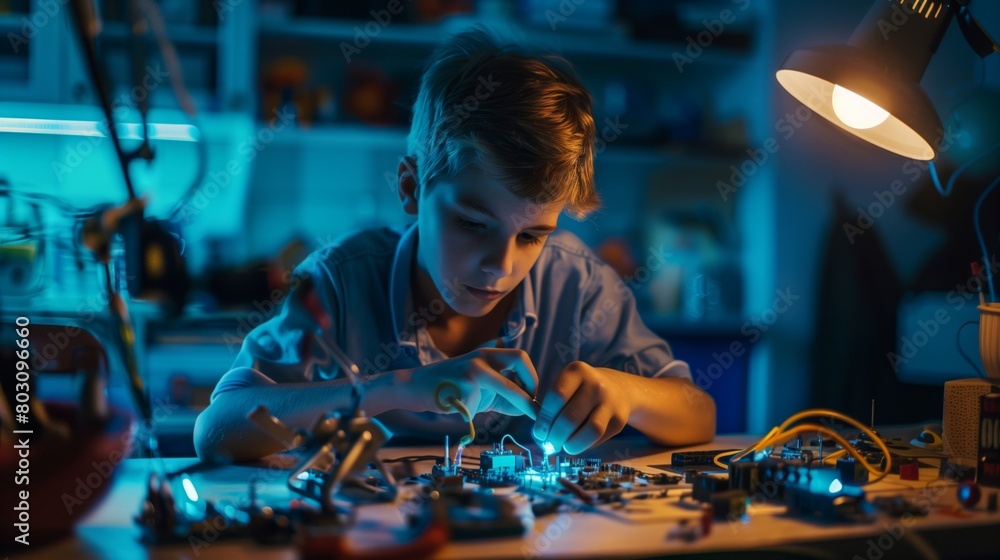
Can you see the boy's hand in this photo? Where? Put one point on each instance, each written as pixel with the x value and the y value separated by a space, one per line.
pixel 584 407
pixel 481 380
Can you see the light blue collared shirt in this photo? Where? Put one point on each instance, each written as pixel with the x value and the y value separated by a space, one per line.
pixel 571 306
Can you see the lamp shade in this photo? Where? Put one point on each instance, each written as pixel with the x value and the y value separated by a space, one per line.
pixel 870 87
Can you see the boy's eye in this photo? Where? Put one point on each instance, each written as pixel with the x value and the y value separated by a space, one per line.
pixel 531 239
pixel 469 225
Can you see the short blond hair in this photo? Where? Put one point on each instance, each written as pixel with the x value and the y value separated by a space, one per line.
pixel 523 117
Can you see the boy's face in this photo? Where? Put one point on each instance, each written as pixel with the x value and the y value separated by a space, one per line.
pixel 477 240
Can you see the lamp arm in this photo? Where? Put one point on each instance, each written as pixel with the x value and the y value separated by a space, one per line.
pixel 977 37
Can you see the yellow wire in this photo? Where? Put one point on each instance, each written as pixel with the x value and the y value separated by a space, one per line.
pixel 467 416
pixel 835 455
pixel 778 435
pixel 816 428
pixel 452 402
pixel 742 453
pixel 719 463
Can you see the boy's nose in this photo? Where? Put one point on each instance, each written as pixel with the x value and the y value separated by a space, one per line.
pixel 499 261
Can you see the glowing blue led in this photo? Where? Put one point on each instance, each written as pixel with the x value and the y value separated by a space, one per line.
pixel 192 494
pixel 836 486
pixel 548 448
pixel 304 475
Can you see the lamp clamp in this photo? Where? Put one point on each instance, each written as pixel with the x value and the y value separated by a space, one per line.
pixel 977 37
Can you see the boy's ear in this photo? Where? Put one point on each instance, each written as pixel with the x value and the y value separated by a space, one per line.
pixel 406 185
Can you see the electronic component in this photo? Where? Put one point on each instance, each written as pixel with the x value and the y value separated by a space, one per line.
pixel 797 454
pixel 969 494
pixel 730 504
pixel 744 476
pixel 956 472
pixel 846 504
pixel 470 514
pixel 851 471
pixel 704 486
pixel 897 506
pixel 446 478
pixel 988 470
pixel 500 460
pixel 776 474
pixel 689 459
pixel 663 479
pixel 685 531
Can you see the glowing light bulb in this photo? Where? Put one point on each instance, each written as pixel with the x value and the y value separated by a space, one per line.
pixel 855 111
pixel 836 486
pixel 548 448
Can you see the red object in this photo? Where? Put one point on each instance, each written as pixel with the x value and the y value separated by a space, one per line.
pixel 67 478
pixel 706 519
pixel 312 303
pixel 909 471
pixel 969 494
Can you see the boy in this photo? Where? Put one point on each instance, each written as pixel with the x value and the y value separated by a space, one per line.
pixel 481 291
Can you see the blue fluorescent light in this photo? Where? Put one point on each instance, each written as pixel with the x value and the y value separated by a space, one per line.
pixel 127 131
pixel 192 494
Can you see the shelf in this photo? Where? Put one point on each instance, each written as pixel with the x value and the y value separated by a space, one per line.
pixel 346 134
pixel 603 45
pixel 664 155
pixel 359 135
pixel 179 33
pixel 353 134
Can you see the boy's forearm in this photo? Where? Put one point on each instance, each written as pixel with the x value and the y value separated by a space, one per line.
pixel 223 431
pixel 670 411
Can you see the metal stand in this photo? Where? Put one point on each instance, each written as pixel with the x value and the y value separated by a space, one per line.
pixel 338 452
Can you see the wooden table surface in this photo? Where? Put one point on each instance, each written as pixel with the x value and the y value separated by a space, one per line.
pixel 108 531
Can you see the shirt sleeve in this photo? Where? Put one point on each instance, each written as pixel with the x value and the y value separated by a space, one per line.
pixel 614 335
pixel 293 346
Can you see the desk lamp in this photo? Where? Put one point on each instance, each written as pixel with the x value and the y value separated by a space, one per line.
pixel 870 87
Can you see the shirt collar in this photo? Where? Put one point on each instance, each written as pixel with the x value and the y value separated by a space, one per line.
pixel 523 313
pixel 400 301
